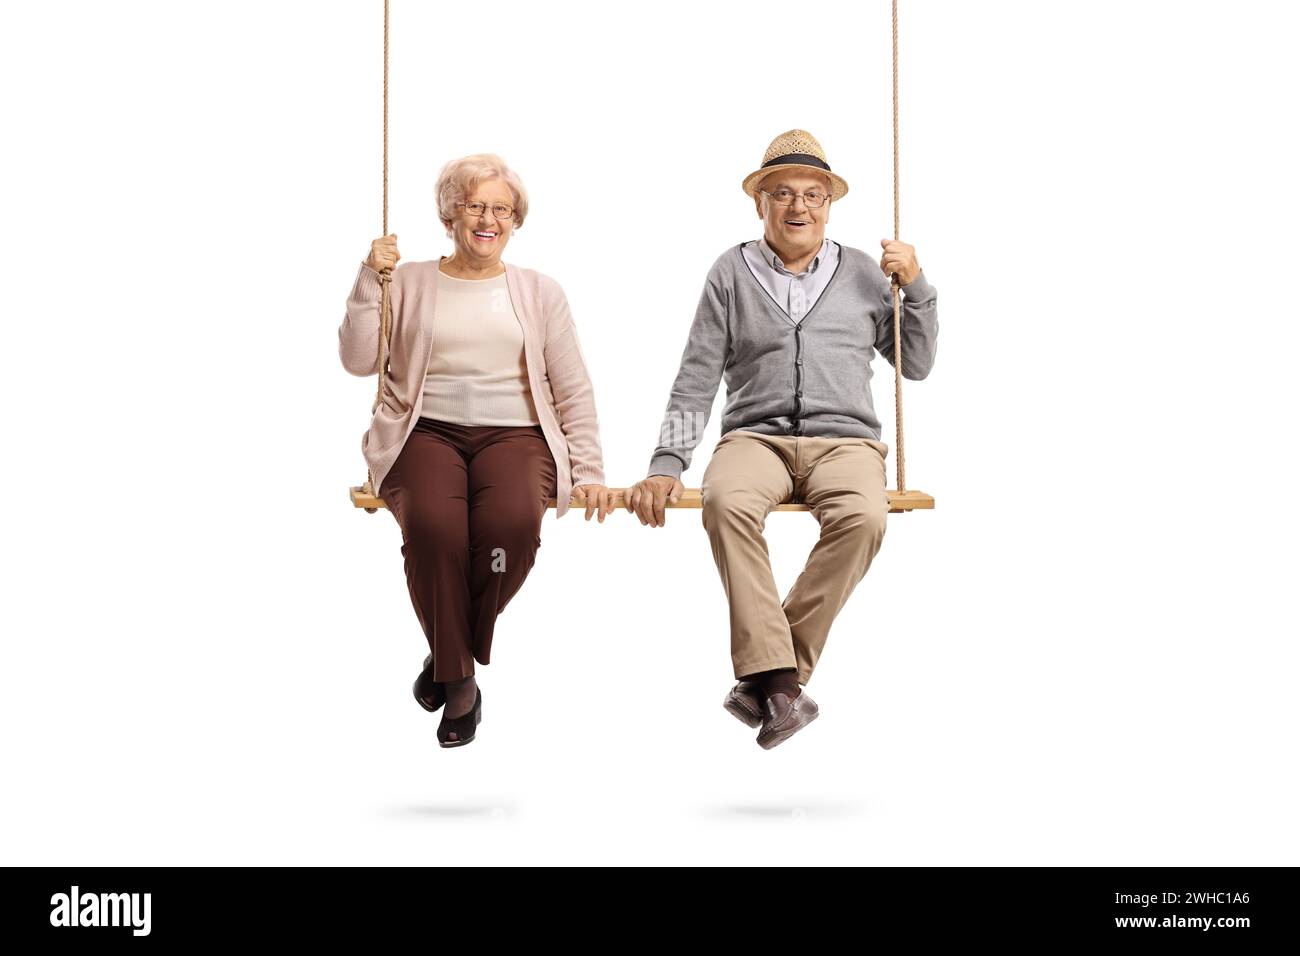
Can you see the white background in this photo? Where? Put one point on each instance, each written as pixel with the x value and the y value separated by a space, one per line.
pixel 1085 655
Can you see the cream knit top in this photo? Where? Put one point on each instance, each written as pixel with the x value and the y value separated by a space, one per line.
pixel 476 373
pixel 557 372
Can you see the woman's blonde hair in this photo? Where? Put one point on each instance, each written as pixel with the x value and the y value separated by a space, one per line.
pixel 459 176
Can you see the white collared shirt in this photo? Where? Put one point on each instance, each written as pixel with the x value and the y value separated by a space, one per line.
pixel 795 294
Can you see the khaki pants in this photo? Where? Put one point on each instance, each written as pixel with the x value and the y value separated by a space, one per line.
pixel 842 481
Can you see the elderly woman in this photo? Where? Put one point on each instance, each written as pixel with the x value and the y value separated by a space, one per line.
pixel 488 413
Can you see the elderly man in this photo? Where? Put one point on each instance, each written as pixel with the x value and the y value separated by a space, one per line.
pixel 791 321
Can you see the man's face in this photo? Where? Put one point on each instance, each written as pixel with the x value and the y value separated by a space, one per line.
pixel 795 228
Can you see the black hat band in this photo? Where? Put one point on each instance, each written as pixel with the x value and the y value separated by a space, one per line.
pixel 798 159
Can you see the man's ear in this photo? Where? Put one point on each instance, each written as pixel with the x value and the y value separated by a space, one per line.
pixel 758 205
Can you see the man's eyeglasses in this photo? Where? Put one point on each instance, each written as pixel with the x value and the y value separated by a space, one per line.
pixel 813 199
pixel 499 209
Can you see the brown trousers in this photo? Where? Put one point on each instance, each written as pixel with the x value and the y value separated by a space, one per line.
pixel 470 501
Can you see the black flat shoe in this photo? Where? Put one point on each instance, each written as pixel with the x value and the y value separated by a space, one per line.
pixel 464 727
pixel 429 694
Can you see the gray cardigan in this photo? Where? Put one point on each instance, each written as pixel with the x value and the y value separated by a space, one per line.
pixel 811 377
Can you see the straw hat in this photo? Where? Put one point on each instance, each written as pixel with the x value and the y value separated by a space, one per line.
pixel 794 149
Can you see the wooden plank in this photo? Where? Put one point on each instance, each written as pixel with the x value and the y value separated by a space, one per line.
pixel 898 501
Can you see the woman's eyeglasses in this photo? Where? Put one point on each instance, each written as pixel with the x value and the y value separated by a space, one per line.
pixel 499 209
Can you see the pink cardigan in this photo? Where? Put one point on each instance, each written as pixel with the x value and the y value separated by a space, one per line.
pixel 557 374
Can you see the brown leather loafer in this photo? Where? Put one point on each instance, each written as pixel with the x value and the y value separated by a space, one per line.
pixel 744 703
pixel 783 718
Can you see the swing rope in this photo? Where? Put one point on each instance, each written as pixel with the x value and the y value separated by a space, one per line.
pixel 367 496
pixel 386 276
pixel 898 321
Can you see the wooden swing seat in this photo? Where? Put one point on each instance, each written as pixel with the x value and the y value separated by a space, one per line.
pixel 898 501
